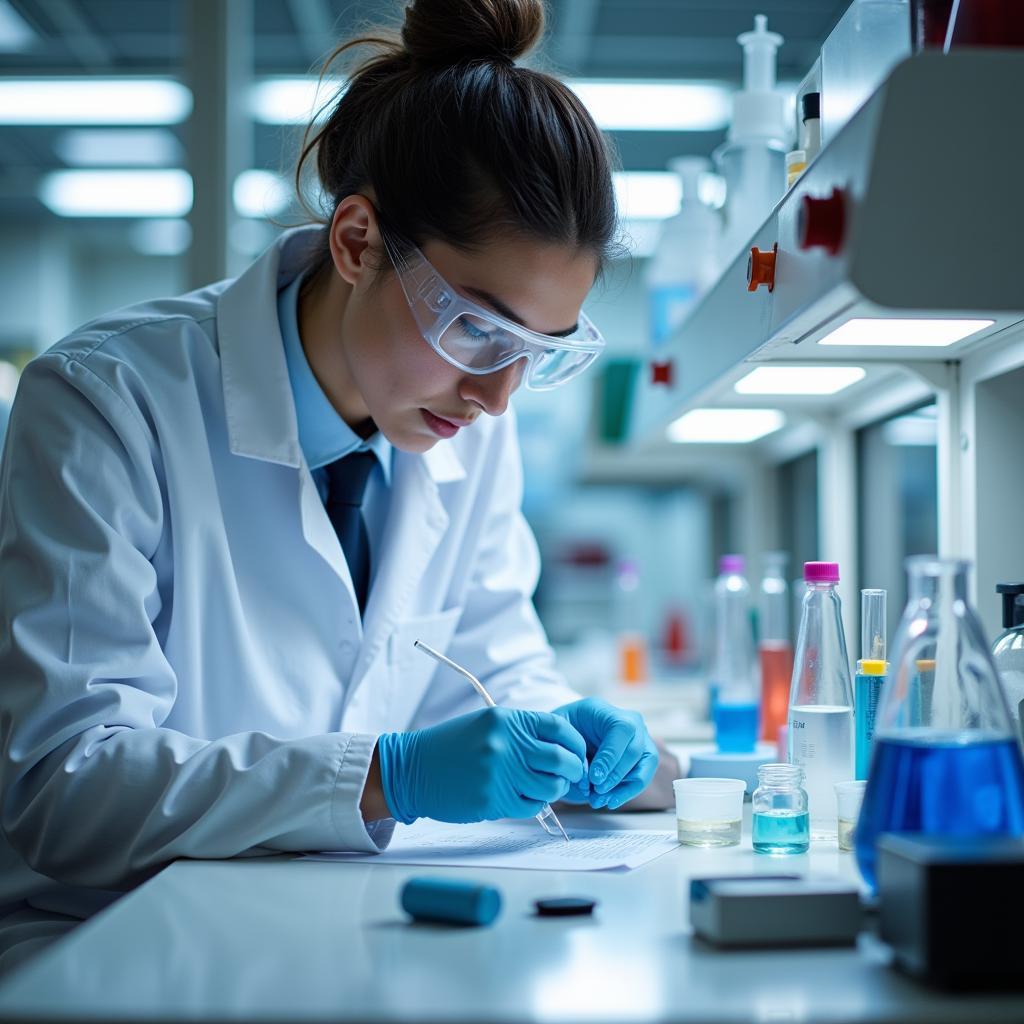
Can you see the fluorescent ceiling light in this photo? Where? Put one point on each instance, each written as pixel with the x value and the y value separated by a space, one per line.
pixel 93 101
pixel 15 33
pixel 655 106
pixel 261 194
pixel 113 147
pixel 293 100
pixel 615 106
pixel 799 380
pixel 725 426
pixel 164 237
pixel 646 195
pixel 906 332
pixel 118 193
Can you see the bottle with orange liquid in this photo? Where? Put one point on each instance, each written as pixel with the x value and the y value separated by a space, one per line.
pixel 632 641
pixel 775 649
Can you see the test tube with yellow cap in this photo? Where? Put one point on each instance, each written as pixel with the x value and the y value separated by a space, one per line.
pixel 871 671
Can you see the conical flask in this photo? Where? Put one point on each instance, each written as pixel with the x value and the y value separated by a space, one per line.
pixel 945 760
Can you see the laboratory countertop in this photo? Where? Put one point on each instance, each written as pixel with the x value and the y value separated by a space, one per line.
pixel 282 939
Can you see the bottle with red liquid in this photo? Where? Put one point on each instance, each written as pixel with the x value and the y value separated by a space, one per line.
pixel 774 649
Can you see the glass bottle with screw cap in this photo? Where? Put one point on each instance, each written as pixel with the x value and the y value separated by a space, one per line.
pixel 821 698
pixel 781 821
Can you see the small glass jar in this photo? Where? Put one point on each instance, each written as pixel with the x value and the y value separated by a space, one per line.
pixel 781 822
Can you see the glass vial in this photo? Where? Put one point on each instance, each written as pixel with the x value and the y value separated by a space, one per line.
pixel 781 820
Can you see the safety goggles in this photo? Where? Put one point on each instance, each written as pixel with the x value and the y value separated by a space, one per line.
pixel 476 339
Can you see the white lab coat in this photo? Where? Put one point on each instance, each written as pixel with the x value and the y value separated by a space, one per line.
pixel 184 671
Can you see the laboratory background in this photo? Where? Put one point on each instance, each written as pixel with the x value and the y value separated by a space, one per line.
pixel 802 445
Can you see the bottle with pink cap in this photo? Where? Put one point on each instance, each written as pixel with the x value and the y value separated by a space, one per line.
pixel 821 698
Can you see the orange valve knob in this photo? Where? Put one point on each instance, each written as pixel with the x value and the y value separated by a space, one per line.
pixel 761 268
pixel 822 222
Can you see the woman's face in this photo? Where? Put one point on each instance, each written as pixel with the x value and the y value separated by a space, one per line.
pixel 414 396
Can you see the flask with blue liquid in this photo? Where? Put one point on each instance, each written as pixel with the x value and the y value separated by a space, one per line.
pixel 735 677
pixel 945 759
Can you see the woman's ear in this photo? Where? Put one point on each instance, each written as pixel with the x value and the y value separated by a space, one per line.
pixel 354 238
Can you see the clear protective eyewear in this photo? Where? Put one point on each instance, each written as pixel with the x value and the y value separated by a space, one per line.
pixel 478 340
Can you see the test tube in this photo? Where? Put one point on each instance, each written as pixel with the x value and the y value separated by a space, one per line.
pixel 871 671
pixel 872 627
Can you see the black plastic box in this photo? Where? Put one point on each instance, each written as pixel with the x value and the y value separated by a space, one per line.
pixel 952 909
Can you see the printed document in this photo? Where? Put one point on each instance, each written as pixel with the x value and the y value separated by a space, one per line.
pixel 504 845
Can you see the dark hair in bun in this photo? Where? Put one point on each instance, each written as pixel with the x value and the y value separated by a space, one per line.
pixel 456 141
pixel 486 30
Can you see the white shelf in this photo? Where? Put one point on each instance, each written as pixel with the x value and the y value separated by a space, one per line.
pixel 929 169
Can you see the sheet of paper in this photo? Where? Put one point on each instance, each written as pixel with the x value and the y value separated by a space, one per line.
pixel 503 845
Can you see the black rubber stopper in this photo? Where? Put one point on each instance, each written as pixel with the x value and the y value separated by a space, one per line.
pixel 565 906
pixel 1013 604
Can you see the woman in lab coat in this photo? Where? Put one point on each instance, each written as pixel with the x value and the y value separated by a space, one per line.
pixel 204 651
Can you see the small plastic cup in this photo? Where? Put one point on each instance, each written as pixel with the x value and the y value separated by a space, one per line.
pixel 849 796
pixel 709 812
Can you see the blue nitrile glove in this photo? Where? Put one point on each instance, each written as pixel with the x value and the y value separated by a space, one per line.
pixel 493 763
pixel 623 757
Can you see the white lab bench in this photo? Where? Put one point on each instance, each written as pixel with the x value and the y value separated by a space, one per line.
pixel 282 939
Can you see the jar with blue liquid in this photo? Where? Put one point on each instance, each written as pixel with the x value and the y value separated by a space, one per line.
pixel 945 760
pixel 781 821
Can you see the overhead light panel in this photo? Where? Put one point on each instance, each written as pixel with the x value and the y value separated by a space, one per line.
pixel 93 101
pixel 725 426
pixel 614 105
pixel 261 194
pixel 646 195
pixel 799 380
pixel 119 147
pixel 655 106
pixel 909 333
pixel 293 100
pixel 166 193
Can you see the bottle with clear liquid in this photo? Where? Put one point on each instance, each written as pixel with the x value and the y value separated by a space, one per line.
pixel 945 759
pixel 775 650
pixel 734 678
pixel 1008 652
pixel 821 698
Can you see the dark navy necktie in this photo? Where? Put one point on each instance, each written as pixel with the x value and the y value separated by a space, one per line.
pixel 346 486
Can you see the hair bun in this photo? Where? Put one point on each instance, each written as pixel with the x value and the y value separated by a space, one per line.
pixel 445 32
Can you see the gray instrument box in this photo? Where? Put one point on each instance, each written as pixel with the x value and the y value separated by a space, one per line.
pixel 775 910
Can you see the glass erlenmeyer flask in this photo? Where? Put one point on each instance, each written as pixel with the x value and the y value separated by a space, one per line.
pixel 945 761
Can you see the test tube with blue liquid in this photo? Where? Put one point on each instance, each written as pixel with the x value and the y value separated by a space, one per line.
pixel 871 671
pixel 735 673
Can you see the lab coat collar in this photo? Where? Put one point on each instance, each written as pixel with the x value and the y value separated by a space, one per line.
pixel 258 400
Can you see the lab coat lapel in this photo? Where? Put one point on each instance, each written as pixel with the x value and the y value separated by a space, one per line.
pixel 416 523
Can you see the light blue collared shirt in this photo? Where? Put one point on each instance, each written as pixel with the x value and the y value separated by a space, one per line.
pixel 323 435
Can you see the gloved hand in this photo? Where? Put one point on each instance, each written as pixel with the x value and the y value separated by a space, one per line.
pixel 623 757
pixel 492 763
